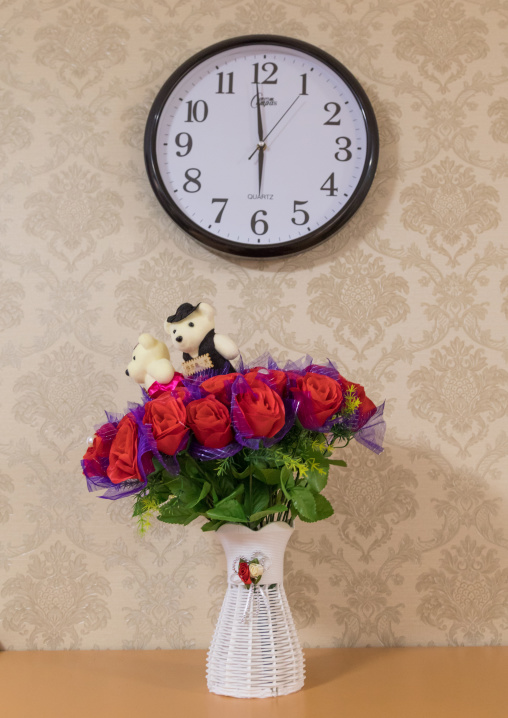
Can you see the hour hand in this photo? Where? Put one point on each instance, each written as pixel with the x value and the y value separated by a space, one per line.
pixel 261 159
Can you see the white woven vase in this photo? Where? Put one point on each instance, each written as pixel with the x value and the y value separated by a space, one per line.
pixel 255 652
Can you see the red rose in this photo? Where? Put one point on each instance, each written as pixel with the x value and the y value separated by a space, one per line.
pixel 263 410
pixel 220 386
pixel 123 457
pixel 96 457
pixel 366 408
pixel 276 378
pixel 322 399
pixel 167 416
pixel 210 422
pixel 244 573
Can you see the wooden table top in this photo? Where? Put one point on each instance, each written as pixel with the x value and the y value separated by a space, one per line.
pixel 345 682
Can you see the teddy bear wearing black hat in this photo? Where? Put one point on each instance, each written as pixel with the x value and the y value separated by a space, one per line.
pixel 192 330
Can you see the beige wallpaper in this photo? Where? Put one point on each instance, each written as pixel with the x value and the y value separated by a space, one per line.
pixel 410 299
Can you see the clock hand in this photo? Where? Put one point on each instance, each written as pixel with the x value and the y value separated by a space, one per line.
pixel 261 160
pixel 261 143
pixel 260 121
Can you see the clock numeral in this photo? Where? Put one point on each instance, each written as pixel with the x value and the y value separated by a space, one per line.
pixel 305 214
pixel 335 108
pixel 259 226
pixel 192 180
pixel 183 143
pixel 265 68
pixel 196 111
pixel 329 185
pixel 221 90
pixel 304 84
pixel 221 212
pixel 343 155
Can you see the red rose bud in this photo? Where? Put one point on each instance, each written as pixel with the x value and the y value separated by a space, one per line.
pixel 123 457
pixel 220 386
pixel 167 416
pixel 322 399
pixel 263 410
pixel 244 573
pixel 210 422
pixel 366 407
pixel 276 378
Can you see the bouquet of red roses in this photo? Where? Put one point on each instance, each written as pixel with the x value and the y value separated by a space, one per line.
pixel 249 447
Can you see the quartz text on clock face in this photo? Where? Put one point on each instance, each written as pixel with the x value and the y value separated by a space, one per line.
pixel 262 146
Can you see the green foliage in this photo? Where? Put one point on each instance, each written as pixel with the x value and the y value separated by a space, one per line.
pixel 253 487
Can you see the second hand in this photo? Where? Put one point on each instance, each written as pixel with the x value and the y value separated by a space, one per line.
pixel 261 144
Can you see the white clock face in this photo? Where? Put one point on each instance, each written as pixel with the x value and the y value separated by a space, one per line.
pixel 259 147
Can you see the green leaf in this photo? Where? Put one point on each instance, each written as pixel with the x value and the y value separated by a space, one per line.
pixel 317 477
pixel 204 493
pixel 285 475
pixel 324 509
pixel 187 490
pixel 241 474
pixel 304 502
pixel 212 525
pixel 259 499
pixel 190 467
pixel 267 476
pixel 236 494
pixel 278 509
pixel 228 510
pixel 191 518
pixel 175 513
pixel 336 462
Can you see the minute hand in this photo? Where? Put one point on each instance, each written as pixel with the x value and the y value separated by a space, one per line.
pixel 275 125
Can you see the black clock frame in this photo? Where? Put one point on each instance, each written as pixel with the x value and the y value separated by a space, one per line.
pixel 267 250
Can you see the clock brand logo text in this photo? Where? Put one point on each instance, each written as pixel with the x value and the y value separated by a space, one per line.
pixel 263 101
pixel 260 196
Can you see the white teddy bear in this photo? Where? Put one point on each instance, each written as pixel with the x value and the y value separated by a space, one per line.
pixel 192 331
pixel 150 362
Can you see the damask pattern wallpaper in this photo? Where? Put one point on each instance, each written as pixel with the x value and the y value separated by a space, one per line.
pixel 410 298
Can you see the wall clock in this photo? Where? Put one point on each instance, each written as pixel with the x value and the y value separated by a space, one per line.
pixel 261 146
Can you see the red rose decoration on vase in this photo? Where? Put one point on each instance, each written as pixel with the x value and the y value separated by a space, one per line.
pixel 321 397
pixel 262 409
pixel 244 572
pixel 168 417
pixel 220 386
pixel 366 407
pixel 210 421
pixel 123 457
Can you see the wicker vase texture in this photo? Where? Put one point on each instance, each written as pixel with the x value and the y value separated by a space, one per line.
pixel 255 652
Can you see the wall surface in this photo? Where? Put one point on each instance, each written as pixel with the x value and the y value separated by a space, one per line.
pixel 410 299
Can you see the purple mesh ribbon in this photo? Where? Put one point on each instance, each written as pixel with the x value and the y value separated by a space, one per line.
pixel 203 453
pixel 372 432
pixel 265 361
pixel 299 366
pixel 329 369
pixel 146 443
